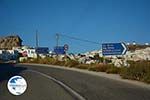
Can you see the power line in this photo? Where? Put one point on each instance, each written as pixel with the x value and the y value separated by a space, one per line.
pixel 83 40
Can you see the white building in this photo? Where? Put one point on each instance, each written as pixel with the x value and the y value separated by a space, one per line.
pixel 26 51
pixel 31 53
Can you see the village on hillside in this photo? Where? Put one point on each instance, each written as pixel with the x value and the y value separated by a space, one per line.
pixel 11 49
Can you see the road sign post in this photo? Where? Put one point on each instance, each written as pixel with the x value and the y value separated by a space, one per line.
pixel 61 49
pixel 66 47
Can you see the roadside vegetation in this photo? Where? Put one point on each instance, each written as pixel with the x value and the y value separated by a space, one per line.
pixel 137 71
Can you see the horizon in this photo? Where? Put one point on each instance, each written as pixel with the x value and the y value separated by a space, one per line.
pixel 98 21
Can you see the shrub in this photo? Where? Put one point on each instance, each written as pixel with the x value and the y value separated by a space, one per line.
pixel 137 71
pixel 99 68
pixel 57 62
pixel 83 66
pixel 146 78
pixel 71 63
pixel 113 70
pixel 101 59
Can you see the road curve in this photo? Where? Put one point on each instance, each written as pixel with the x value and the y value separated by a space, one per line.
pixel 88 86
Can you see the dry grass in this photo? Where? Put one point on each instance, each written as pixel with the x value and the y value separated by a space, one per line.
pixel 137 71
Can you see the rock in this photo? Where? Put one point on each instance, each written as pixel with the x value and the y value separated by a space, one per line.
pixel 120 62
pixel 82 60
pixel 137 55
pixel 21 59
pixel 9 42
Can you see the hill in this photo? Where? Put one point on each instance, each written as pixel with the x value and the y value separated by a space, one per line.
pixel 10 41
pixel 137 47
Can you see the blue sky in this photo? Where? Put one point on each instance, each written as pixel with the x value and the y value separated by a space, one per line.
pixel 95 20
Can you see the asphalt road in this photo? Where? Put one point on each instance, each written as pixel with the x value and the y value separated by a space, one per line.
pixel 42 86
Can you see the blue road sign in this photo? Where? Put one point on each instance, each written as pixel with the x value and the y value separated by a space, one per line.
pixel 42 50
pixel 59 50
pixel 114 49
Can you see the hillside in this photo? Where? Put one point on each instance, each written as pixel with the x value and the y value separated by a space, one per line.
pixel 10 41
pixel 137 47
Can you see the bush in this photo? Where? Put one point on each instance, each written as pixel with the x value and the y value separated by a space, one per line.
pixel 99 68
pixel 137 71
pixel 57 62
pixel 113 70
pixel 101 59
pixel 105 68
pixel 146 78
pixel 83 66
pixel 71 63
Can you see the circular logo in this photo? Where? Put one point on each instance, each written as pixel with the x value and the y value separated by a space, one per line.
pixel 17 85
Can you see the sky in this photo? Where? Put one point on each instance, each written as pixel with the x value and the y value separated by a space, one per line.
pixel 100 21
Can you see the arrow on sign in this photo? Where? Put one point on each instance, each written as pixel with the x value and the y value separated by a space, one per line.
pixel 124 48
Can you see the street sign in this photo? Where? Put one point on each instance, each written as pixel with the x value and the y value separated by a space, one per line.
pixel 24 54
pixel 59 50
pixel 114 49
pixel 66 47
pixel 42 50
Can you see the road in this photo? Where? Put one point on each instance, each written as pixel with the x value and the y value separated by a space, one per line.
pixel 47 83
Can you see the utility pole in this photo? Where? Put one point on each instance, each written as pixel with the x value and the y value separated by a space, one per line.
pixel 37 44
pixel 57 39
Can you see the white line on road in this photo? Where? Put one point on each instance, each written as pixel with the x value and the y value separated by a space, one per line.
pixel 74 93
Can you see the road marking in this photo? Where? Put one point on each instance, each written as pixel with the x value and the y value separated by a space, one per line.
pixel 73 92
